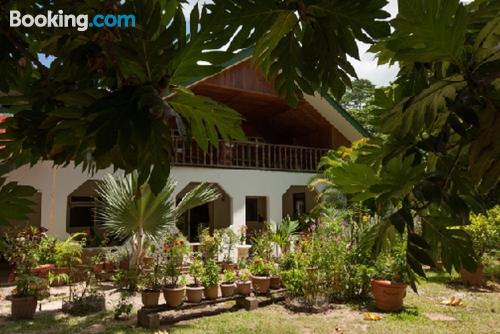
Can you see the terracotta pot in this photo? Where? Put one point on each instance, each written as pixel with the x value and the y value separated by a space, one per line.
pixel 99 267
pixel 261 284
pixel 212 292
pixel 174 296
pixel 150 298
pixel 244 288
pixel 109 266
pixel 148 262
pixel 124 264
pixel 227 290
pixel 473 278
pixel 388 295
pixel 23 307
pixel 42 270
pixel 194 294
pixel 275 282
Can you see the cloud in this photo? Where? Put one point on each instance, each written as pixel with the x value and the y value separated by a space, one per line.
pixel 367 68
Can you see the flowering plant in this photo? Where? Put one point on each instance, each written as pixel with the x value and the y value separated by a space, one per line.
pixel 21 248
pixel 174 249
pixel 260 267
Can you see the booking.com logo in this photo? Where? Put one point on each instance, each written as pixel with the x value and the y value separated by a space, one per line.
pixel 81 21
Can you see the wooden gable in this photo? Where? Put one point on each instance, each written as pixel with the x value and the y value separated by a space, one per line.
pixel 245 89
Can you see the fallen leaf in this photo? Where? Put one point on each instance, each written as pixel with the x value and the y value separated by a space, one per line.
pixel 371 316
pixel 452 301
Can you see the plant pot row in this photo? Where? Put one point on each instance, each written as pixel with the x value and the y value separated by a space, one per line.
pixel 194 294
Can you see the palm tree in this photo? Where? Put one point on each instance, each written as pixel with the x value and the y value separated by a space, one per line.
pixel 129 210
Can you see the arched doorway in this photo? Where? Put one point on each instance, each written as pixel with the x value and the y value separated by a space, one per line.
pixel 297 200
pixel 213 215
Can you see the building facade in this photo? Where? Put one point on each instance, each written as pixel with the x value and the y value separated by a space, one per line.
pixel 261 179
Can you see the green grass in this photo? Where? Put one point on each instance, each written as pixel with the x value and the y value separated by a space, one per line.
pixel 479 314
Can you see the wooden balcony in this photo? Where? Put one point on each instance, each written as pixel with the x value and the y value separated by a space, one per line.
pixel 248 155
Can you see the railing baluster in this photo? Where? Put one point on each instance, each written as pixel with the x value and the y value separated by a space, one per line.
pixel 249 155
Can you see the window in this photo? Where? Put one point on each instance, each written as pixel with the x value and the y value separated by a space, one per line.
pixel 81 211
pixel 299 204
pixel 252 209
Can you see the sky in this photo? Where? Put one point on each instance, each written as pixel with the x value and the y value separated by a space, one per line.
pixel 366 67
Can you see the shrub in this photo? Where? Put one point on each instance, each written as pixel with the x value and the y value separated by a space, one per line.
pixel 174 248
pixel 210 275
pixel 229 276
pixel 260 267
pixel 391 264
pixel 485 232
pixel 21 247
pixel 262 244
pixel 209 244
pixel 196 270
pixel 329 264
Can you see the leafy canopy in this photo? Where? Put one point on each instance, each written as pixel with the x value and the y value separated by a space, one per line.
pixel 303 44
pixel 438 156
pixel 111 97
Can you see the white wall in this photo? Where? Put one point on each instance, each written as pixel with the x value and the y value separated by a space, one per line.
pixel 57 183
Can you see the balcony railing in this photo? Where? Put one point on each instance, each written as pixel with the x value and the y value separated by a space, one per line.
pixel 248 155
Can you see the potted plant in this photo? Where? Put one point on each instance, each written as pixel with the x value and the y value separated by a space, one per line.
pixel 68 254
pixel 244 284
pixel 110 258
pixel 229 240
pixel 123 258
pixel 210 279
pixel 389 283
pixel 45 256
pixel 174 248
pixel 194 292
pixel 260 269
pixel 84 300
pixel 227 286
pixel 275 277
pixel 150 285
pixel 20 247
pixel 485 236
pixel 209 244
pixel 98 263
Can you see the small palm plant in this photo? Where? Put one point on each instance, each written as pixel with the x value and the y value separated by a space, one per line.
pixel 283 233
pixel 131 211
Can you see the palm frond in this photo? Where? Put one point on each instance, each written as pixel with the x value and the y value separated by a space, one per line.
pixel 201 194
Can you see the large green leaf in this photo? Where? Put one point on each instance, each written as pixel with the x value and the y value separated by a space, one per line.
pixel 427 31
pixel 208 120
pixel 303 46
pixel 15 201
pixel 425 111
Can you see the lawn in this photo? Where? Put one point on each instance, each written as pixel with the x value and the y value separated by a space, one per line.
pixel 423 313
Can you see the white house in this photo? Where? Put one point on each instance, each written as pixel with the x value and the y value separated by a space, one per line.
pixel 261 179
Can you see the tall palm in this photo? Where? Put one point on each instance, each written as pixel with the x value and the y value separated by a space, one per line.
pixel 132 211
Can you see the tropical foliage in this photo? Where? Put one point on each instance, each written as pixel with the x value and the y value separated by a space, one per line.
pixel 15 201
pixel 102 100
pixel 131 211
pixel 358 101
pixel 303 45
pixel 437 159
